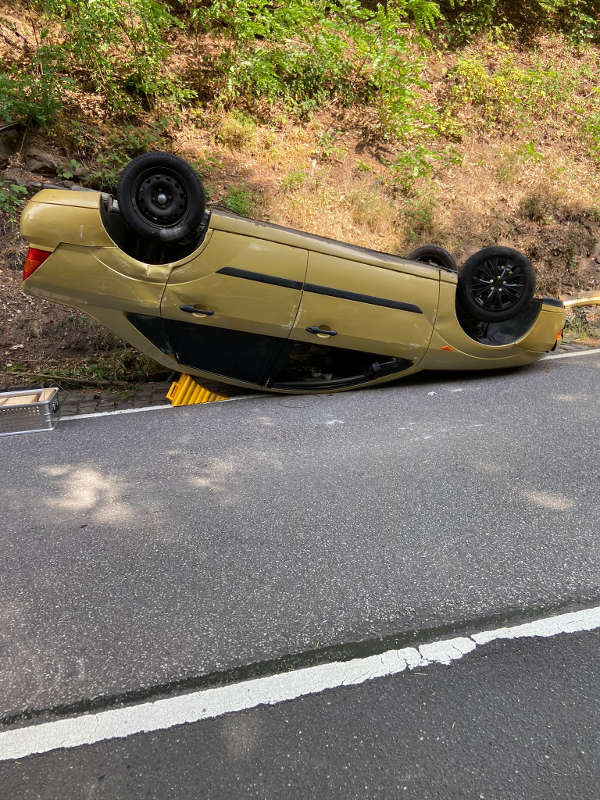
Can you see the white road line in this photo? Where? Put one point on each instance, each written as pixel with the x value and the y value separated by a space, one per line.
pixel 250 396
pixel 209 703
pixel 113 413
pixel 574 354
pixel 146 408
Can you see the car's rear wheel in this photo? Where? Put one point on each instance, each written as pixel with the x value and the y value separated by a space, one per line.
pixel 161 197
pixel 495 284
pixel 434 255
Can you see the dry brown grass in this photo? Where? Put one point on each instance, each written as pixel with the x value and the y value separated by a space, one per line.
pixel 527 179
pixel 546 204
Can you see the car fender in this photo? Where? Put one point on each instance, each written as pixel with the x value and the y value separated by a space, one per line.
pixel 45 223
pixel 452 348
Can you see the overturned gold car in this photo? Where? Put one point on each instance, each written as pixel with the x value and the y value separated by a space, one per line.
pixel 254 304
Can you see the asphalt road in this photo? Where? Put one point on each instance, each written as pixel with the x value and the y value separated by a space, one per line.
pixel 144 549
pixel 141 553
pixel 512 721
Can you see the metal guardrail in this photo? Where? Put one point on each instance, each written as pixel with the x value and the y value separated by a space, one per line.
pixel 587 299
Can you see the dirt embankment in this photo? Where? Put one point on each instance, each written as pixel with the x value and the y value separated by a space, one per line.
pixel 521 174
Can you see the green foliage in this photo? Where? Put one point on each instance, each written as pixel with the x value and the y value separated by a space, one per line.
pixel 300 54
pixel 69 171
pixel 297 56
pixel 287 51
pixel 507 94
pixel 119 44
pixel 241 200
pixel 419 217
pixel 34 92
pixel 236 129
pixel 129 141
pixel 329 147
pixel 293 180
pixel 307 52
pixel 116 47
pixel 418 162
pixel 206 166
pixel 412 164
pixel 528 152
pixel 474 84
pixel 591 128
pixel 468 18
pixel 12 196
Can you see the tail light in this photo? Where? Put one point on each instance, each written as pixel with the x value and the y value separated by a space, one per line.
pixel 32 262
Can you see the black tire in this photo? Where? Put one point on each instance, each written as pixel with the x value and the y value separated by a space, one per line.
pixel 144 183
pixel 495 284
pixel 434 255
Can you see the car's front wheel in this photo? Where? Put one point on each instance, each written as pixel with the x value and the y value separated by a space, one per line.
pixel 161 197
pixel 495 284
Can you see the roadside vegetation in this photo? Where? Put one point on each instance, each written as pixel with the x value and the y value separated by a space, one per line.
pixel 464 122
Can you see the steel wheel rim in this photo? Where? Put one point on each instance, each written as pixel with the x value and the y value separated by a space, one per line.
pixel 161 197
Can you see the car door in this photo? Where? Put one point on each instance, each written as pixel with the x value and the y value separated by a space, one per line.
pixel 358 321
pixel 229 310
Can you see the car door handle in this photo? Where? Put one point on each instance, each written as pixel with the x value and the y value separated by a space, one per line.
pixel 321 331
pixel 200 312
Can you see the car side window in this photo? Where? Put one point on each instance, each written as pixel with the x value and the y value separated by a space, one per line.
pixel 223 352
pixel 308 365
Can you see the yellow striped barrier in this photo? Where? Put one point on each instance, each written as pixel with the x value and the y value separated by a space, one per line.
pixel 185 391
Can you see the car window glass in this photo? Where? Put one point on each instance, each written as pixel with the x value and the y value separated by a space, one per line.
pixel 305 363
pixel 233 354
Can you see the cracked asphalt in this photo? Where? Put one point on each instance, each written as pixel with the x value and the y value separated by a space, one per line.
pixel 143 550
